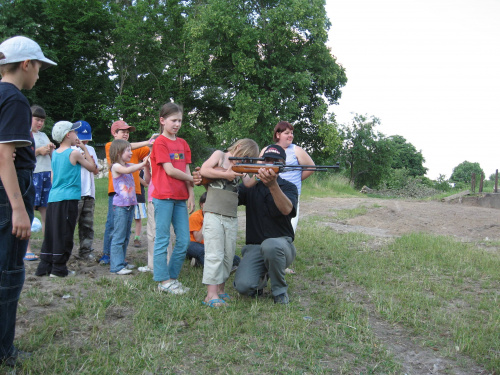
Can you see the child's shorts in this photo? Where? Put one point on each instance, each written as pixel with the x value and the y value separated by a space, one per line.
pixel 140 211
pixel 42 184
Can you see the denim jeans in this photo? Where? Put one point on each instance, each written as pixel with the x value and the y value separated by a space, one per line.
pixel 123 217
pixel 197 250
pixel 170 211
pixel 108 229
pixel 12 252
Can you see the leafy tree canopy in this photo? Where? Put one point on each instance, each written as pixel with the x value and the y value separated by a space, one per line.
pixel 407 157
pixel 463 172
pixel 237 67
pixel 366 153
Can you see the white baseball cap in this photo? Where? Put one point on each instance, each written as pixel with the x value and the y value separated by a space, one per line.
pixel 20 48
pixel 62 128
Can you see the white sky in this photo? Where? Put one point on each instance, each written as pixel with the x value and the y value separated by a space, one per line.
pixel 428 69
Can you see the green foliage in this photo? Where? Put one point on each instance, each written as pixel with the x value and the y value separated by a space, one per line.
pixel 265 61
pixel 76 36
pixel 442 183
pixel 367 153
pixel 406 156
pixel 463 172
pixel 236 67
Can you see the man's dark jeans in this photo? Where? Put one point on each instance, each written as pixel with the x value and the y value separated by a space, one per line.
pixel 12 252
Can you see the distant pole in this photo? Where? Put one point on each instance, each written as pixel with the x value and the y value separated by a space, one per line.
pixel 473 183
pixel 496 181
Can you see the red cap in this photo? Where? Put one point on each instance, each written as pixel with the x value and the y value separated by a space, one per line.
pixel 120 124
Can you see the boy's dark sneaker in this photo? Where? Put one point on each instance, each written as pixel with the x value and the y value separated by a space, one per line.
pixel 282 299
pixel 104 259
pixel 16 358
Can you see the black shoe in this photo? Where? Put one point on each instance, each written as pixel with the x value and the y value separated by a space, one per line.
pixel 282 299
pixel 16 358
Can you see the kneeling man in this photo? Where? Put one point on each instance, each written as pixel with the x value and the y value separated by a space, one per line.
pixel 269 250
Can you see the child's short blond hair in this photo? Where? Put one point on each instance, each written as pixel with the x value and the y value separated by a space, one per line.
pixel 244 148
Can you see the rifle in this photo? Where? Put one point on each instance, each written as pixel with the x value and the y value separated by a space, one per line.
pixel 250 165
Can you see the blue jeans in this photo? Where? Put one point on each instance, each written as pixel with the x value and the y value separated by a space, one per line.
pixel 12 252
pixel 170 211
pixel 110 225
pixel 123 218
pixel 197 250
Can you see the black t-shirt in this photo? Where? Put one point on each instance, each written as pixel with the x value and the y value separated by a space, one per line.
pixel 15 125
pixel 264 220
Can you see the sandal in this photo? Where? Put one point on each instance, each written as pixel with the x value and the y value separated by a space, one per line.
pixel 213 302
pixel 30 257
pixel 225 297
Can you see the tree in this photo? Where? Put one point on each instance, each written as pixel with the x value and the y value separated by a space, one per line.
pixel 260 62
pixel 463 172
pixel 237 67
pixel 76 36
pixel 407 157
pixel 367 153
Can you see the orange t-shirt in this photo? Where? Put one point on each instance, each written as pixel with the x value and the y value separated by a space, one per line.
pixel 137 155
pixel 195 224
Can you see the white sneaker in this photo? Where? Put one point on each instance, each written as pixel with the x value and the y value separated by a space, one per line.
pixel 129 266
pixel 172 288
pixel 180 286
pixel 70 273
pixel 124 271
pixel 144 269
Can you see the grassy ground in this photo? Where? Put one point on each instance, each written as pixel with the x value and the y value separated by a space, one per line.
pixel 443 292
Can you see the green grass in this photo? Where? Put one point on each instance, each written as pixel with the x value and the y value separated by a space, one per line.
pixel 328 185
pixel 444 293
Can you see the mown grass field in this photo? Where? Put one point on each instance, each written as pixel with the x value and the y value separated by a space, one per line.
pixel 443 293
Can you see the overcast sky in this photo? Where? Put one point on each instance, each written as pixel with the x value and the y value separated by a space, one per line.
pixel 428 69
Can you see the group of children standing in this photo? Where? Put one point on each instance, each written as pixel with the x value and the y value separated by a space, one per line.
pixel 167 171
pixel 165 160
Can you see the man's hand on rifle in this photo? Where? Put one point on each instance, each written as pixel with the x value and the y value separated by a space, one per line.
pixel 267 176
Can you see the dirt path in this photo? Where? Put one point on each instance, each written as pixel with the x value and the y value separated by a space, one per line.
pixel 384 219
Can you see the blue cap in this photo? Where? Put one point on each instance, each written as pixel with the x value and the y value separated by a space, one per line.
pixel 84 132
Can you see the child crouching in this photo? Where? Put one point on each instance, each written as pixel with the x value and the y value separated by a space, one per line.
pixel 124 202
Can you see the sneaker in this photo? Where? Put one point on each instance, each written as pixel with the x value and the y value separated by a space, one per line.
pixel 144 269
pixel 173 287
pixel 104 259
pixel 282 299
pixel 70 273
pixel 16 358
pixel 233 269
pixel 137 243
pixel 124 271
pixel 129 266
pixel 193 262
pixel 180 286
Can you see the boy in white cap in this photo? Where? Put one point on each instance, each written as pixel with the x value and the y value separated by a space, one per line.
pixel 21 59
pixel 62 210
